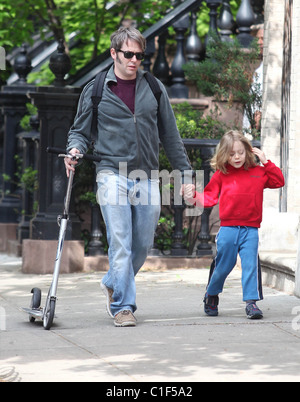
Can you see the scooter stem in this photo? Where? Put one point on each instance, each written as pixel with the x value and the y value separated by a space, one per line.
pixel 69 192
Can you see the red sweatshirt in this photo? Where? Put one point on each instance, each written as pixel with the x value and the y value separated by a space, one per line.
pixel 240 193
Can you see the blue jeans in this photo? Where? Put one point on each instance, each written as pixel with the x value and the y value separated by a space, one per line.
pixel 130 209
pixel 231 241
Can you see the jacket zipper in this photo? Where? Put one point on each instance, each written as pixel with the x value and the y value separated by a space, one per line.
pixel 138 142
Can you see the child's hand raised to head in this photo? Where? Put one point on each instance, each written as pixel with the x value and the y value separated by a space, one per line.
pixel 260 154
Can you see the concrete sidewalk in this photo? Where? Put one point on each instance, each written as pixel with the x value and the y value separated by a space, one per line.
pixel 173 342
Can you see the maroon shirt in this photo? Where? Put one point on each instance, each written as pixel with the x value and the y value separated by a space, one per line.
pixel 125 90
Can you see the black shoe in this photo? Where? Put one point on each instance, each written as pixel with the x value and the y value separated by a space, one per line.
pixel 253 312
pixel 211 305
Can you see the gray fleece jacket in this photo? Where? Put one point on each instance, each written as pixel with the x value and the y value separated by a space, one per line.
pixel 126 137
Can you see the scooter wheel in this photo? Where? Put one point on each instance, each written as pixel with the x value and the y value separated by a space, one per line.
pixel 35 301
pixel 49 314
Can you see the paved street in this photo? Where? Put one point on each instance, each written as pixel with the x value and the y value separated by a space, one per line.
pixel 173 342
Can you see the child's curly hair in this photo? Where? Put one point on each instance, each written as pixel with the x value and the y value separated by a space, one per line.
pixel 221 158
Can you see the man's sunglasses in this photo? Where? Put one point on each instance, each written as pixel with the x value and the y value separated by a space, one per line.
pixel 130 55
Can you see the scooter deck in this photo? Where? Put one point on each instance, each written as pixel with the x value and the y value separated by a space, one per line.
pixel 35 313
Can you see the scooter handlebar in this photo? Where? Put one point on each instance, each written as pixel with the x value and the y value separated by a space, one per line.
pixel 60 151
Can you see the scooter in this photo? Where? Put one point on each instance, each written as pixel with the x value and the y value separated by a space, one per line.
pixel 35 311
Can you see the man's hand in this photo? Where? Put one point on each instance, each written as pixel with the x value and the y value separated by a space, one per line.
pixel 69 164
pixel 188 191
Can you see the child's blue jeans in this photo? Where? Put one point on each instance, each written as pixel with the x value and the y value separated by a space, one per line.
pixel 231 241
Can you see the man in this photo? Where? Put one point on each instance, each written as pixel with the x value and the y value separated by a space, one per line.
pixel 130 126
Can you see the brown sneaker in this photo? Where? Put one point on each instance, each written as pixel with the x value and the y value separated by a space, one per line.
pixel 109 299
pixel 125 319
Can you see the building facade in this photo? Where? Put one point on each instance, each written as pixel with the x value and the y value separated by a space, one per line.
pixel 281 143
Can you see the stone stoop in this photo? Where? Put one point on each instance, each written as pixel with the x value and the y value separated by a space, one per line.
pixel 8 232
pixel 278 269
pixel 39 256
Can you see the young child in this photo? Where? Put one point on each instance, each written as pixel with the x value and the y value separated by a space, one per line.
pixel 238 186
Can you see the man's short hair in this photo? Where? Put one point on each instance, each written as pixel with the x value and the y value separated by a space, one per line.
pixel 123 35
